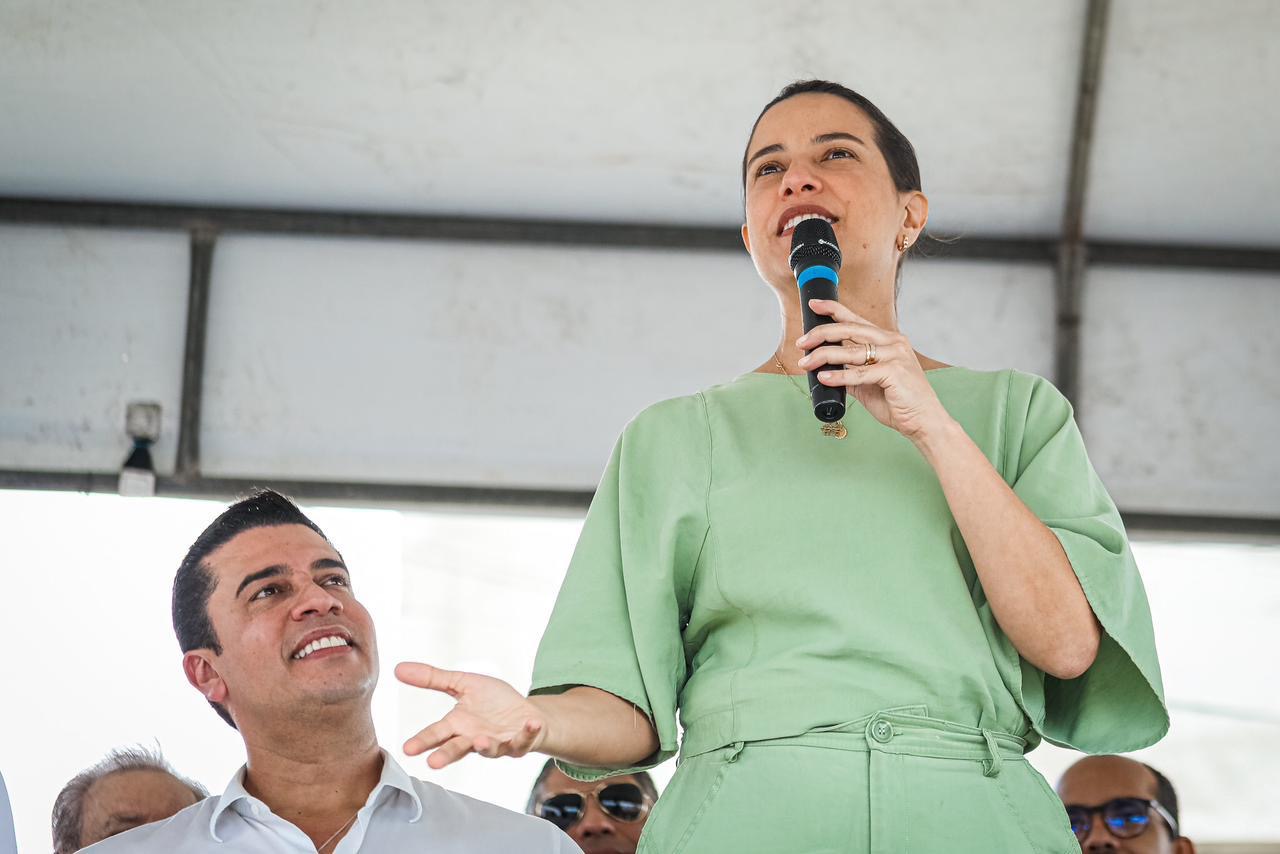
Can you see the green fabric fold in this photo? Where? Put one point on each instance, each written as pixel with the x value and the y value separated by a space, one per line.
pixel 1117 705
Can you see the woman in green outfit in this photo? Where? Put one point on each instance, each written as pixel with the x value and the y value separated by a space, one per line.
pixel 861 635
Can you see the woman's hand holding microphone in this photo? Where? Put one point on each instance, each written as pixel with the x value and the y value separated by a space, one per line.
pixel 892 387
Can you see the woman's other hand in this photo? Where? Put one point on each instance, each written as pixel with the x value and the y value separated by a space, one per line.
pixel 491 718
pixel 893 389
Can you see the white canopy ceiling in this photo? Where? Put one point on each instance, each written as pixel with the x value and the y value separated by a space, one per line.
pixel 620 112
pixel 634 111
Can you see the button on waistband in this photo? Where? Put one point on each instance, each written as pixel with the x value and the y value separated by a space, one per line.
pixel 882 731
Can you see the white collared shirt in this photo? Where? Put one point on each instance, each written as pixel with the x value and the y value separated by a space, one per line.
pixel 401 814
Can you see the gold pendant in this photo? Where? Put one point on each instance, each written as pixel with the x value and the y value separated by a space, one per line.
pixel 835 430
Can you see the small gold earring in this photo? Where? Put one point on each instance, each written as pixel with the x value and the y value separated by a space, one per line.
pixel 902 246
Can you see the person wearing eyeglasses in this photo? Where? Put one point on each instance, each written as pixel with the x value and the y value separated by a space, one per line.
pixel 1120 805
pixel 860 627
pixel 604 817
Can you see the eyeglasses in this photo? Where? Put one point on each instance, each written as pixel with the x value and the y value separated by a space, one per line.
pixel 621 801
pixel 1125 817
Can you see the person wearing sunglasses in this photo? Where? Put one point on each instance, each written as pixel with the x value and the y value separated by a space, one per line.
pixel 1117 804
pixel 604 817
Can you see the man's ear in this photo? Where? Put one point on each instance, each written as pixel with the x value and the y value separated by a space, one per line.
pixel 198 665
pixel 1183 845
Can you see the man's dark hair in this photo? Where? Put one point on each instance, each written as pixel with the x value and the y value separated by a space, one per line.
pixel 1165 794
pixel 896 149
pixel 643 780
pixel 193 583
pixel 68 808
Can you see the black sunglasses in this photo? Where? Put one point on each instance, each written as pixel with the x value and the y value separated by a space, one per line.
pixel 622 801
pixel 1125 817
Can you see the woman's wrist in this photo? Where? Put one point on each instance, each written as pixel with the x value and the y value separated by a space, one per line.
pixel 546 707
pixel 938 436
pixel 591 727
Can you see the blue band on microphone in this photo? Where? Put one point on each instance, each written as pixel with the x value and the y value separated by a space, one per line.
pixel 818 272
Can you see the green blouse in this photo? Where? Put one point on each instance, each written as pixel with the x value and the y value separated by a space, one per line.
pixel 764 580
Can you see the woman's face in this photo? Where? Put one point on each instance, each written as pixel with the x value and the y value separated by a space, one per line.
pixel 816 153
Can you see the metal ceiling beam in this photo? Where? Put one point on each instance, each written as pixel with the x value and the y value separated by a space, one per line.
pixel 1041 250
pixel 1072 250
pixel 512 498
pixel 1197 525
pixel 311 223
pixel 322 223
pixel 203 240
pixel 1182 256
pixel 92 213
pixel 311 490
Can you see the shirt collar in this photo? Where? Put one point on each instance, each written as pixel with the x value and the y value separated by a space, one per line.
pixel 393 777
pixel 235 791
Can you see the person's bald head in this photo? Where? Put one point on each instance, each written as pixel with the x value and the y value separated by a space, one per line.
pixel 132 786
pixel 1096 780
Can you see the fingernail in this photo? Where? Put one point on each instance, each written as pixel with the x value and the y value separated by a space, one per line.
pixel 824 375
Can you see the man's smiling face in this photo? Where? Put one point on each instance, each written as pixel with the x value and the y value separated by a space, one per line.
pixel 294 638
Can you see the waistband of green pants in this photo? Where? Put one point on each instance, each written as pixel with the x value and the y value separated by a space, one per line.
pixel 903 729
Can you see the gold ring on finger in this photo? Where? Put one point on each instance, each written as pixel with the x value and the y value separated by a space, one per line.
pixel 871 354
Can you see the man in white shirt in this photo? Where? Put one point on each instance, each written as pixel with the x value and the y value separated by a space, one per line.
pixel 276 641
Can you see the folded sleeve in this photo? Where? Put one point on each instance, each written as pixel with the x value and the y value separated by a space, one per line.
pixel 618 618
pixel 1117 705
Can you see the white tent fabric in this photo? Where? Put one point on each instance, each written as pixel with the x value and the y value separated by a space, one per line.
pixel 622 112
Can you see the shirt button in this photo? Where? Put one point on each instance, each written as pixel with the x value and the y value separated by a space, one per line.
pixel 882 731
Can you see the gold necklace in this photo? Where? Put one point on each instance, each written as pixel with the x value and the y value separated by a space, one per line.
pixel 832 430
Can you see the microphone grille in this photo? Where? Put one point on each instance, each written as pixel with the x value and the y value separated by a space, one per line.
pixel 814 242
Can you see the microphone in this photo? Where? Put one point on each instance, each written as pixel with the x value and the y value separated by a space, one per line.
pixel 815 262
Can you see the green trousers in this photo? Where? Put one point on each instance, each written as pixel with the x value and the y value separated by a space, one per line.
pixel 895 781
